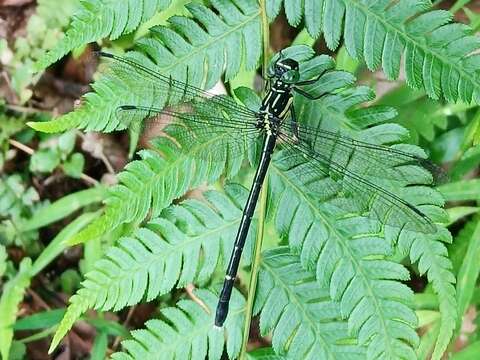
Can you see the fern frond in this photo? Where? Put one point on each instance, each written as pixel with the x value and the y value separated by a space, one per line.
pixel 95 20
pixel 305 322
pixel 377 306
pixel 348 250
pixel 432 257
pixel 187 332
pixel 195 50
pixel 183 246
pixel 12 295
pixel 439 54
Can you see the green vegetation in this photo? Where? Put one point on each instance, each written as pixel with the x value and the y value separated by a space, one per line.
pixel 148 224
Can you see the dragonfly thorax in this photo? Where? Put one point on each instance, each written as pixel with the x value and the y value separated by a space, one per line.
pixel 278 100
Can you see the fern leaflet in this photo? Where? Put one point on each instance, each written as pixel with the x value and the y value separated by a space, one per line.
pixel 149 185
pixel 95 20
pixel 433 260
pixel 12 295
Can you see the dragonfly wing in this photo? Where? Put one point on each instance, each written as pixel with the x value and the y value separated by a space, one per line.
pixel 162 89
pixel 188 124
pixel 337 177
pixel 377 161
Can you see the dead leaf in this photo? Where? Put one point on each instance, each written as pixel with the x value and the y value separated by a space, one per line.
pixel 14 2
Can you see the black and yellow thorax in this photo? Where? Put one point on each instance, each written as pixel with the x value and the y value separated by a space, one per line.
pixel 278 100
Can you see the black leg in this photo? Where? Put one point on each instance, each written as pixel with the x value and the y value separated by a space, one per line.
pixel 294 123
pixel 307 95
pixel 185 89
pixel 309 82
pixel 312 81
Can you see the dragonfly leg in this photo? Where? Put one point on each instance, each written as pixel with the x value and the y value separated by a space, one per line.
pixel 294 124
pixel 307 95
pixel 309 82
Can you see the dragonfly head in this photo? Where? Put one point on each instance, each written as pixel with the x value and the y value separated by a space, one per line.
pixel 284 69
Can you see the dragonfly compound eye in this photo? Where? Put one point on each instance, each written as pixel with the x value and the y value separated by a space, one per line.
pixel 287 64
pixel 291 76
pixel 287 69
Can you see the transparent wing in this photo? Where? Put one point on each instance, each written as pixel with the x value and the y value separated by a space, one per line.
pixel 224 137
pixel 387 162
pixel 164 89
pixel 347 169
pixel 193 114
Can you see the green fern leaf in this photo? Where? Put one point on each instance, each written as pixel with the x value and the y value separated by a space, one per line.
pixel 192 50
pixel 12 294
pixel 433 260
pixel 97 19
pixel 187 332
pixel 378 308
pixel 439 55
pixel 183 246
pixel 305 322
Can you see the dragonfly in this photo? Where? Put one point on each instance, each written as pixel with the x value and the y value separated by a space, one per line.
pixel 348 166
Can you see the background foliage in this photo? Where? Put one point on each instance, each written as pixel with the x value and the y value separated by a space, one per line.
pixel 156 228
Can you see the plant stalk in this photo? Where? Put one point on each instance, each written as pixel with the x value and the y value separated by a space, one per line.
pixel 266 36
pixel 252 286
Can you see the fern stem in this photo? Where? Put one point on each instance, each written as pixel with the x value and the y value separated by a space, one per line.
pixel 252 286
pixel 265 36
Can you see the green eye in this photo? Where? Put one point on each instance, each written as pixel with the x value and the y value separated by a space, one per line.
pixel 291 76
